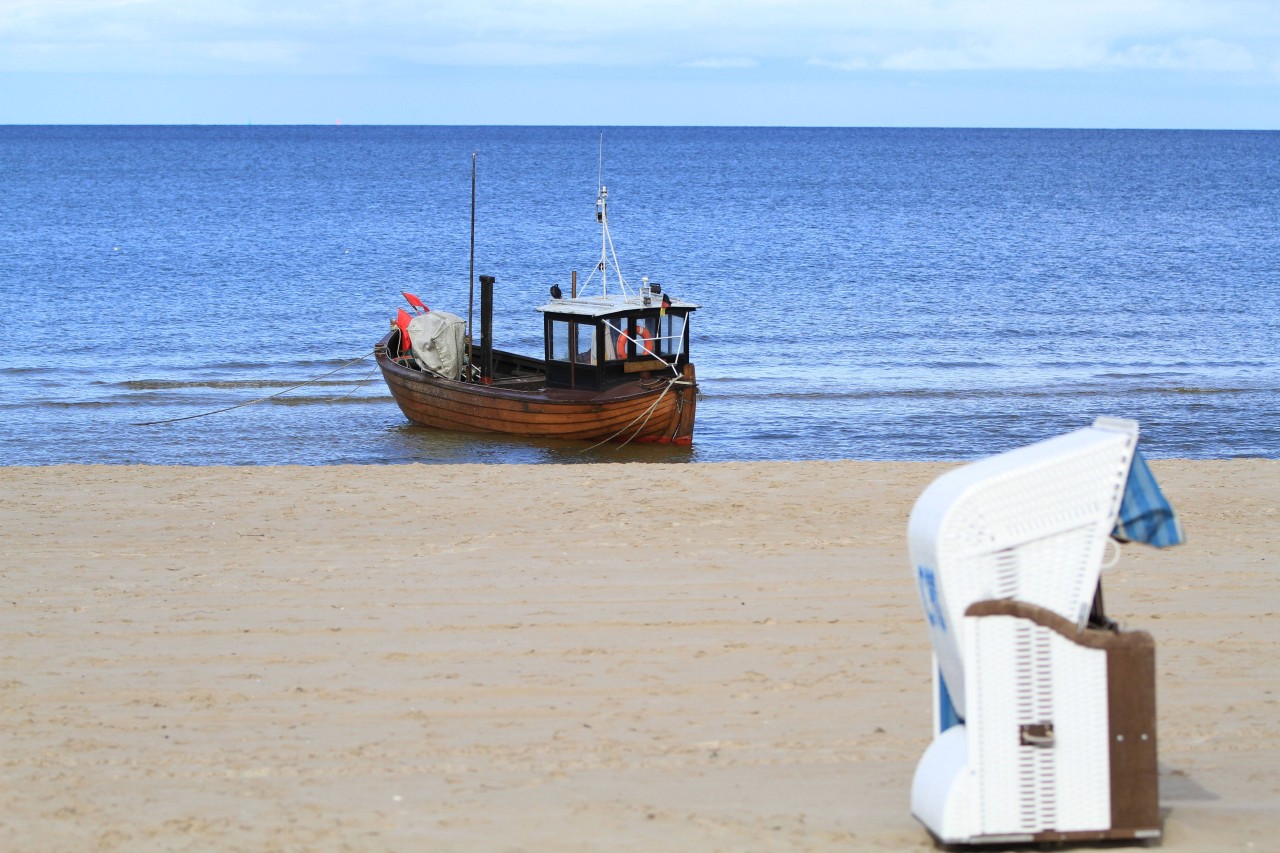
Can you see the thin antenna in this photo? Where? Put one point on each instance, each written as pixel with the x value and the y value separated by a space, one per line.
pixel 606 240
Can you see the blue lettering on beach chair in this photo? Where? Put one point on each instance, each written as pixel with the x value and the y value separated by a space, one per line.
pixel 929 597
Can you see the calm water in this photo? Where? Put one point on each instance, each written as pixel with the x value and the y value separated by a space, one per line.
pixel 867 293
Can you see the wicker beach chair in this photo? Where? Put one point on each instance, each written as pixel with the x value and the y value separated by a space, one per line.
pixel 1044 726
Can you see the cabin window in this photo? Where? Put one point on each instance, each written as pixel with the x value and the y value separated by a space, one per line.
pixel 573 341
pixel 614 328
pixel 645 331
pixel 671 335
pixel 648 331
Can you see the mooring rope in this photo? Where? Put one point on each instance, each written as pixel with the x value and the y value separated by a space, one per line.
pixel 648 413
pixel 373 374
pixel 260 399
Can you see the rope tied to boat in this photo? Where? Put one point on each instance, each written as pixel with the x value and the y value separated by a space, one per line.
pixel 646 415
pixel 343 366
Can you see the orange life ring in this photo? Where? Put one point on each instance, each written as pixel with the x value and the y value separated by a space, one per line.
pixel 644 345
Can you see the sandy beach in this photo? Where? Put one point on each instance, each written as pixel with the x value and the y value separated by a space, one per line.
pixel 554 658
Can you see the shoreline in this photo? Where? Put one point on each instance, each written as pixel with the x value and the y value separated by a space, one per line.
pixel 719 655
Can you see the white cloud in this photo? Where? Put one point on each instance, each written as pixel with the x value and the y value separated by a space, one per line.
pixel 345 36
pixel 1191 54
pixel 738 62
pixel 251 53
pixel 966 35
pixel 852 63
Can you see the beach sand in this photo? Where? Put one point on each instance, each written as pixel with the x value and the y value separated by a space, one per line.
pixel 554 658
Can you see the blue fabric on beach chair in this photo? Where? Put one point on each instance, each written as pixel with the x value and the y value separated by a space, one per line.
pixel 1145 514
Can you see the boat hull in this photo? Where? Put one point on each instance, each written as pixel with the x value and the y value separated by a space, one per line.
pixel 654 410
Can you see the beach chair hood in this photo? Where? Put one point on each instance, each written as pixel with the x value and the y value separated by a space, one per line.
pixel 1030 524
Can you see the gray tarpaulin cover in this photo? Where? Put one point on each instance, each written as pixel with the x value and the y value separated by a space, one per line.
pixel 438 340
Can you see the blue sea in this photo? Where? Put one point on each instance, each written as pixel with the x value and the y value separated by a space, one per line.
pixel 869 293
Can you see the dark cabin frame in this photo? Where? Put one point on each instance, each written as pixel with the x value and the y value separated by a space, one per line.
pixel 609 370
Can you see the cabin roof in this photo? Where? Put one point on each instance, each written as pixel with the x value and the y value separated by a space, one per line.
pixel 605 306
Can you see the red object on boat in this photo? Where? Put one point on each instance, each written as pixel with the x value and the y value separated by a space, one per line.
pixel 415 301
pixel 402 323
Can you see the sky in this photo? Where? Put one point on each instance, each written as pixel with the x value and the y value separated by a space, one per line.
pixel 860 63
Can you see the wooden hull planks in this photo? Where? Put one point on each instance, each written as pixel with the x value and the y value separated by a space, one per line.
pixel 658 410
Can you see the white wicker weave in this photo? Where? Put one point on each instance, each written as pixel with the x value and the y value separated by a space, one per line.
pixel 1025 788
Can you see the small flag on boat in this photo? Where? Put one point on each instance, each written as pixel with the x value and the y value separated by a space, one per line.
pixel 415 302
pixel 666 303
pixel 402 323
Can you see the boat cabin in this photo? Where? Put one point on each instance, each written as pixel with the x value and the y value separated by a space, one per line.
pixel 595 342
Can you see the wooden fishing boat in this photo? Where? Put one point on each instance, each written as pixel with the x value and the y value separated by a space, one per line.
pixel 615 366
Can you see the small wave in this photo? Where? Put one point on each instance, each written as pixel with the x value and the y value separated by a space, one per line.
pixel 1177 389
pixel 1046 391
pixel 155 401
pixel 226 384
pixel 70 404
pixel 951 365
pixel 292 400
pixel 1141 374
pixel 301 363
pixel 921 393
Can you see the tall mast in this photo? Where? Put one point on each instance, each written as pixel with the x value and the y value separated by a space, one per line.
pixel 602 216
pixel 471 295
